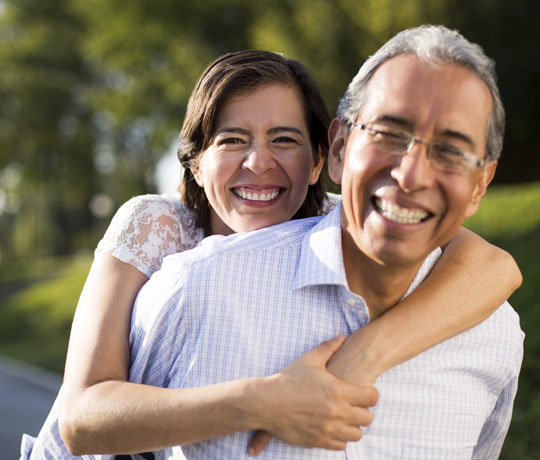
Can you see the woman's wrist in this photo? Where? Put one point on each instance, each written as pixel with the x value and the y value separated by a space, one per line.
pixel 360 360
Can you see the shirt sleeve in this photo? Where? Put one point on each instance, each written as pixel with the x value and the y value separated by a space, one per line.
pixel 496 426
pixel 494 431
pixel 146 229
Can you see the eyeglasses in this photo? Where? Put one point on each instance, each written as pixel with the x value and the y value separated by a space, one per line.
pixel 443 156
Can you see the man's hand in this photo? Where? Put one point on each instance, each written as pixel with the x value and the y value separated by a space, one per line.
pixel 307 406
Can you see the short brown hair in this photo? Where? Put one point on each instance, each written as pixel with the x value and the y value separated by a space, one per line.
pixel 239 72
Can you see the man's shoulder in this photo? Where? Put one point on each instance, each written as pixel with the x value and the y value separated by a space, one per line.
pixel 217 258
pixel 506 320
pixel 286 235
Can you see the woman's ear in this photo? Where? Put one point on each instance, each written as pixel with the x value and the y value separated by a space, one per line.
pixel 337 138
pixel 197 174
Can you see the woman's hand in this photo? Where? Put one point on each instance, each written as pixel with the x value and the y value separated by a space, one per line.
pixel 307 406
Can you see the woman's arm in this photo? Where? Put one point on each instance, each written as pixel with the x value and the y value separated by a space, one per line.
pixel 471 279
pixel 101 412
pixel 98 349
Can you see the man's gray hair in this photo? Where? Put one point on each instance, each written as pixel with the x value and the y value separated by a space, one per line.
pixel 437 45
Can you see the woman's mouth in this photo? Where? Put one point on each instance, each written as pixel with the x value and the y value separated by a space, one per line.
pixel 256 195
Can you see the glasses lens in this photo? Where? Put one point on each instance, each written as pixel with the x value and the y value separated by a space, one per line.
pixel 449 158
pixel 390 141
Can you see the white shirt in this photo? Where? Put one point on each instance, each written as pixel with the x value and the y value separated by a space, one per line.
pixel 147 228
pixel 249 304
pixel 143 231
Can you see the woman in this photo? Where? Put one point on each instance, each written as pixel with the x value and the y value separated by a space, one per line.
pixel 252 146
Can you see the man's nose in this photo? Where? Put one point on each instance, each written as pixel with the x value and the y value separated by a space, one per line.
pixel 259 159
pixel 413 171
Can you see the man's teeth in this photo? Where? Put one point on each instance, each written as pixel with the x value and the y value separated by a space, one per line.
pixel 254 196
pixel 398 214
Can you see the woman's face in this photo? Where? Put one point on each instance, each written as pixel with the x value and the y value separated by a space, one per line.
pixel 257 169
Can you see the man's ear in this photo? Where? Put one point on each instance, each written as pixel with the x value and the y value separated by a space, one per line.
pixel 480 188
pixel 337 138
pixel 318 163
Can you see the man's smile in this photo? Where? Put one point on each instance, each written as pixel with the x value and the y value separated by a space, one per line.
pixel 395 213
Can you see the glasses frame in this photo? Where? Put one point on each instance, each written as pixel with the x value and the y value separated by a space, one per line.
pixel 471 160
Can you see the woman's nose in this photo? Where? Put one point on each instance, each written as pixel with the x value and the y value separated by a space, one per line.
pixel 259 159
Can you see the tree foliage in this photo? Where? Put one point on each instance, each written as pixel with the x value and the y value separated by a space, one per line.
pixel 93 93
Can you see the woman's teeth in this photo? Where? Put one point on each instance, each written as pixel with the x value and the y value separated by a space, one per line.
pixel 398 214
pixel 254 196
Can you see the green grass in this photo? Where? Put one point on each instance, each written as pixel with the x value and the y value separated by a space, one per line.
pixel 36 319
pixel 510 218
pixel 35 322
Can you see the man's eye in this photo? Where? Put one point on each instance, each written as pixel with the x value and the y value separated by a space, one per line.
pixel 391 137
pixel 449 152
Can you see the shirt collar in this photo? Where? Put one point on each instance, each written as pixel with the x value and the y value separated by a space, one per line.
pixel 321 259
pixel 321 256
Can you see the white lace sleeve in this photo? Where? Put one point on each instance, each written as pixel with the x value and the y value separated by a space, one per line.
pixel 149 227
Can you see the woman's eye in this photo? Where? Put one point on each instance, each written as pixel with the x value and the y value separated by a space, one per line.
pixel 230 143
pixel 285 140
pixel 230 140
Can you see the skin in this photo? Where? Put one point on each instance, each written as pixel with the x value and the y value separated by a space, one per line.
pixel 381 254
pixel 261 147
pixel 443 103
pixel 304 404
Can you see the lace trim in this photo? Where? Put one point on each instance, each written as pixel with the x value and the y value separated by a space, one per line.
pixel 148 228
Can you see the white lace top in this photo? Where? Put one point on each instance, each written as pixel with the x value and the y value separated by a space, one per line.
pixel 148 228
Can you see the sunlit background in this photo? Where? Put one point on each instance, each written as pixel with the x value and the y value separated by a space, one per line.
pixel 93 93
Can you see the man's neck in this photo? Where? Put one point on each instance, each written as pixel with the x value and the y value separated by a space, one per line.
pixel 380 285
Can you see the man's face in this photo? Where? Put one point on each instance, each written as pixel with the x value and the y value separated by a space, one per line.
pixel 396 210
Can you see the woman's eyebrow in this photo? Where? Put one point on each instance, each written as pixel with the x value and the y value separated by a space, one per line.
pixel 274 130
pixel 280 129
pixel 232 129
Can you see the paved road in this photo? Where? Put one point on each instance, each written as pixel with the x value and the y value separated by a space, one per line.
pixel 26 395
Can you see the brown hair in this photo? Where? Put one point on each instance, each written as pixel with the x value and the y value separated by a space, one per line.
pixel 240 72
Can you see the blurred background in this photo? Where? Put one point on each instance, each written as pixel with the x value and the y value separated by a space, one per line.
pixel 93 93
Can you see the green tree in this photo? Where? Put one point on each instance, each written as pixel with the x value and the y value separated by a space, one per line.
pixel 45 127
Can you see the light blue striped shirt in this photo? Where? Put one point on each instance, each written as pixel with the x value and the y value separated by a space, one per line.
pixel 249 304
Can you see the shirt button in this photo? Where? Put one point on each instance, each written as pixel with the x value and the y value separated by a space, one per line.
pixel 351 302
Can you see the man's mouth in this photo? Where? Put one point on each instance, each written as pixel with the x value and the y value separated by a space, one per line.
pixel 398 214
pixel 257 195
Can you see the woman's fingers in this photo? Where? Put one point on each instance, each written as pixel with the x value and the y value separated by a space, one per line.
pixel 258 442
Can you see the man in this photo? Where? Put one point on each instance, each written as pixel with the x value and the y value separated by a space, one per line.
pixel 415 146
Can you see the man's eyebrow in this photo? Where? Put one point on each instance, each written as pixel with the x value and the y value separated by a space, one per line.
pixel 409 125
pixel 459 136
pixel 394 120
